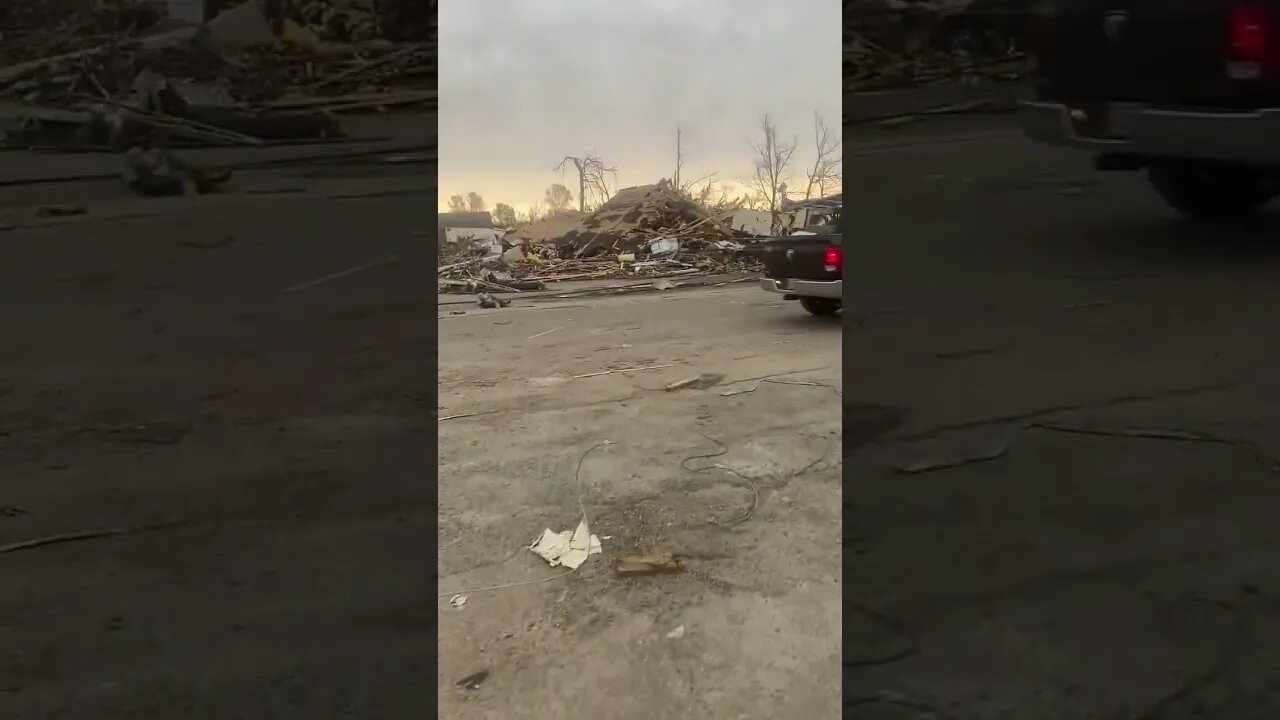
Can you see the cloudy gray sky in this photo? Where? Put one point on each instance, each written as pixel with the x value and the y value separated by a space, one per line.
pixel 524 83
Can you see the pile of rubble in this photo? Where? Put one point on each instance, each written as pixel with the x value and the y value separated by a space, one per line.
pixel 635 217
pixel 890 43
pixel 649 231
pixel 260 70
pixel 868 66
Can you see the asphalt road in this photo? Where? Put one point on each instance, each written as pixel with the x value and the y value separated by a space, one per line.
pixel 1061 401
pixel 212 423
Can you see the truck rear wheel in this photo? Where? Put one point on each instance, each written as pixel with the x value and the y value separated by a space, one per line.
pixel 1210 193
pixel 820 306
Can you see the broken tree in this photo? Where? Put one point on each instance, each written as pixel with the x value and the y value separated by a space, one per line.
pixel 773 158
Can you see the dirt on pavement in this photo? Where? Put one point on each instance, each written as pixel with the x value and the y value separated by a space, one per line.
pixel 740 479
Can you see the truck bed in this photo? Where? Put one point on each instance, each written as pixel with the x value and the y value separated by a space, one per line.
pixel 1168 53
pixel 798 257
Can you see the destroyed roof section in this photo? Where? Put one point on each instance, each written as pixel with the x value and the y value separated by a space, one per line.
pixel 548 228
pixel 831 201
pixel 464 220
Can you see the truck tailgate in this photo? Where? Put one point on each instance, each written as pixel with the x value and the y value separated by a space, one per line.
pixel 799 257
pixel 1161 52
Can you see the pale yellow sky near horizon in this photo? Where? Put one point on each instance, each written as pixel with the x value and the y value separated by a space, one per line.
pixel 524 84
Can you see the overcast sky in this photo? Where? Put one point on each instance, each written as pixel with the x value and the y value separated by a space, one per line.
pixel 524 83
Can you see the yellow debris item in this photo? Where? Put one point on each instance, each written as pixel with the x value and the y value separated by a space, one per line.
pixel 298 36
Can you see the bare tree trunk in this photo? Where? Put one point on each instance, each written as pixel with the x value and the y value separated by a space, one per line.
pixel 591 174
pixel 675 180
pixel 772 160
pixel 826 166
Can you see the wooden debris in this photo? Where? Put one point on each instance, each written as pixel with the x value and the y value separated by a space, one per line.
pixel 637 216
pixel 642 232
pixel 697 382
pixel 641 565
pixel 181 127
pixel 81 59
pixel 474 680
pixel 882 52
pixel 354 101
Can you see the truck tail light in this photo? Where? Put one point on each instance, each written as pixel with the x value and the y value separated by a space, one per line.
pixel 1250 33
pixel 831 260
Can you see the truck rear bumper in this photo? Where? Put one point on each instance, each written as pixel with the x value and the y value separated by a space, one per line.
pixel 804 288
pixel 1246 138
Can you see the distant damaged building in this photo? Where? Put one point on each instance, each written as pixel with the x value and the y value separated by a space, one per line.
pixel 454 226
pixel 814 213
pixel 751 222
pixel 464 220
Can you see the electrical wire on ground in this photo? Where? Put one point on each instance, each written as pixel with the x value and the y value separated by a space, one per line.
pixel 805 383
pixel 750 481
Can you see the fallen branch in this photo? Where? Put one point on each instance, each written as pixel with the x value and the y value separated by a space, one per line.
pixel 192 129
pixel 366 67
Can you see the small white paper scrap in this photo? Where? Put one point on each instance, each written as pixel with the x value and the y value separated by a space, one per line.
pixel 569 548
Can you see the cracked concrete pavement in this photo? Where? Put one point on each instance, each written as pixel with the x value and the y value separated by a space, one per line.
pixel 744 487
pixel 1114 363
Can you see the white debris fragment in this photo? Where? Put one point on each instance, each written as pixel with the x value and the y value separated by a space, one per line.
pixel 676 634
pixel 569 548
pixel 666 245
pixel 458 601
pixel 513 256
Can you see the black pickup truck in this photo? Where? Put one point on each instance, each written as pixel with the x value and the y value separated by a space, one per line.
pixel 808 268
pixel 1187 90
